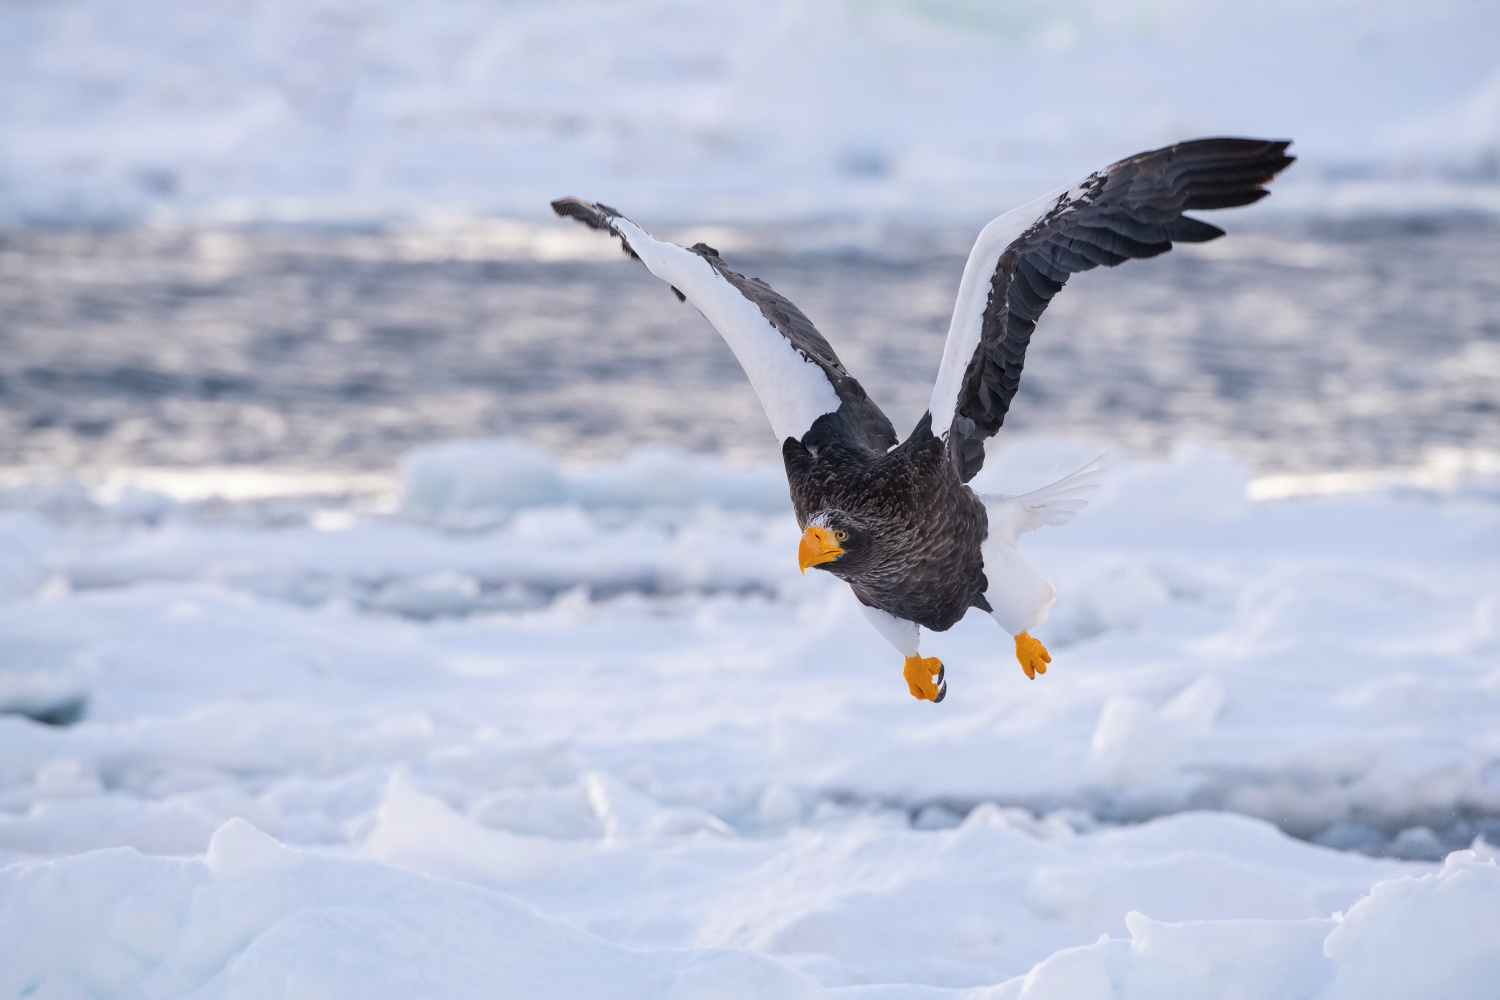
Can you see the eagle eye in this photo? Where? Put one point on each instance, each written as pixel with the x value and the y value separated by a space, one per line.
pixel 840 535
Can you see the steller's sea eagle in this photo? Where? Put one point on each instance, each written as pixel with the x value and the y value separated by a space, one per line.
pixel 897 521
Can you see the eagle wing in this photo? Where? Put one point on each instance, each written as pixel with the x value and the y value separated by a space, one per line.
pixel 1132 208
pixel 794 370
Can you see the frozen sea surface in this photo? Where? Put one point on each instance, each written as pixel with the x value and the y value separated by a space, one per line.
pixel 285 719
pixel 501 725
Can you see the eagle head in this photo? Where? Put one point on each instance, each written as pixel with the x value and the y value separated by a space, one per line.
pixel 831 535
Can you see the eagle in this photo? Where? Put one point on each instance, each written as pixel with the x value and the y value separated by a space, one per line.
pixel 897 520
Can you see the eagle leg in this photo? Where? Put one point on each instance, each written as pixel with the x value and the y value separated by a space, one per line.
pixel 1033 655
pixel 924 676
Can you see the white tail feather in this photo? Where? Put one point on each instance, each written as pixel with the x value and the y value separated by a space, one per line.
pixel 1055 504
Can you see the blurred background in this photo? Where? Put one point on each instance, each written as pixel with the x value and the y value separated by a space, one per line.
pixel 316 234
pixel 346 492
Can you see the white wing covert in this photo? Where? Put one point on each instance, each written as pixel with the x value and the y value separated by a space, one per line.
pixel 1130 209
pixel 1019 597
pixel 794 370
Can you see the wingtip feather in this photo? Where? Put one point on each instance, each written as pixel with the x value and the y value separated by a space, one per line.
pixel 595 215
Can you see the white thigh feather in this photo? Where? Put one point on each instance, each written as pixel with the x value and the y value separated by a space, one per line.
pixel 897 631
pixel 1019 596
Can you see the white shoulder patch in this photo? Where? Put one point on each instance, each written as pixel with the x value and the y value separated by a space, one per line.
pixel 793 389
pixel 965 327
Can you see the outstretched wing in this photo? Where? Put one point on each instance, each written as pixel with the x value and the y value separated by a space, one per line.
pixel 795 372
pixel 1130 209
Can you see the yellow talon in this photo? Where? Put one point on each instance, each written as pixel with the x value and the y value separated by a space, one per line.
pixel 924 676
pixel 1032 654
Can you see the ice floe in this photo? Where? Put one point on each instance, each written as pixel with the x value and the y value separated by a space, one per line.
pixel 513 725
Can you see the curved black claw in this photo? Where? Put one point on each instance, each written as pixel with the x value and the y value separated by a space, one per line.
pixel 942 690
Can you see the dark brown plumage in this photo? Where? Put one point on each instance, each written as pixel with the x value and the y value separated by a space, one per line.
pixel 1130 209
pixel 896 521
pixel 914 527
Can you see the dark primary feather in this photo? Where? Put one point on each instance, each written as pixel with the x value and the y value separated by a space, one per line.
pixel 858 419
pixel 1130 209
pixel 596 216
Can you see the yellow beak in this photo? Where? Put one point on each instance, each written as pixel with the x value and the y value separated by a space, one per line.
pixel 817 546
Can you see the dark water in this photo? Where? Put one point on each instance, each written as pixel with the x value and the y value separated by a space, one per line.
pixel 1299 347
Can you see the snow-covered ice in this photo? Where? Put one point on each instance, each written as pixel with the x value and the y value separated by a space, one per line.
pixel 500 726
pixel 494 725
pixel 746 110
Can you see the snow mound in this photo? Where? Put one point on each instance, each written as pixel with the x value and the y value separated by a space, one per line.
pixel 476 483
pixel 252 918
pixel 1421 936
pixel 552 728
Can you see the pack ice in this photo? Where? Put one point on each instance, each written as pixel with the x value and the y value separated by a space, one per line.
pixel 740 110
pixel 508 727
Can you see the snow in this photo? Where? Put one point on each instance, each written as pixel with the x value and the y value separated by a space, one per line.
pixel 369 110
pixel 498 725
pixel 254 919
pixel 494 725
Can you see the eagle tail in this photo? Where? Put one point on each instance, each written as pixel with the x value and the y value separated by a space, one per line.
pixel 1055 504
